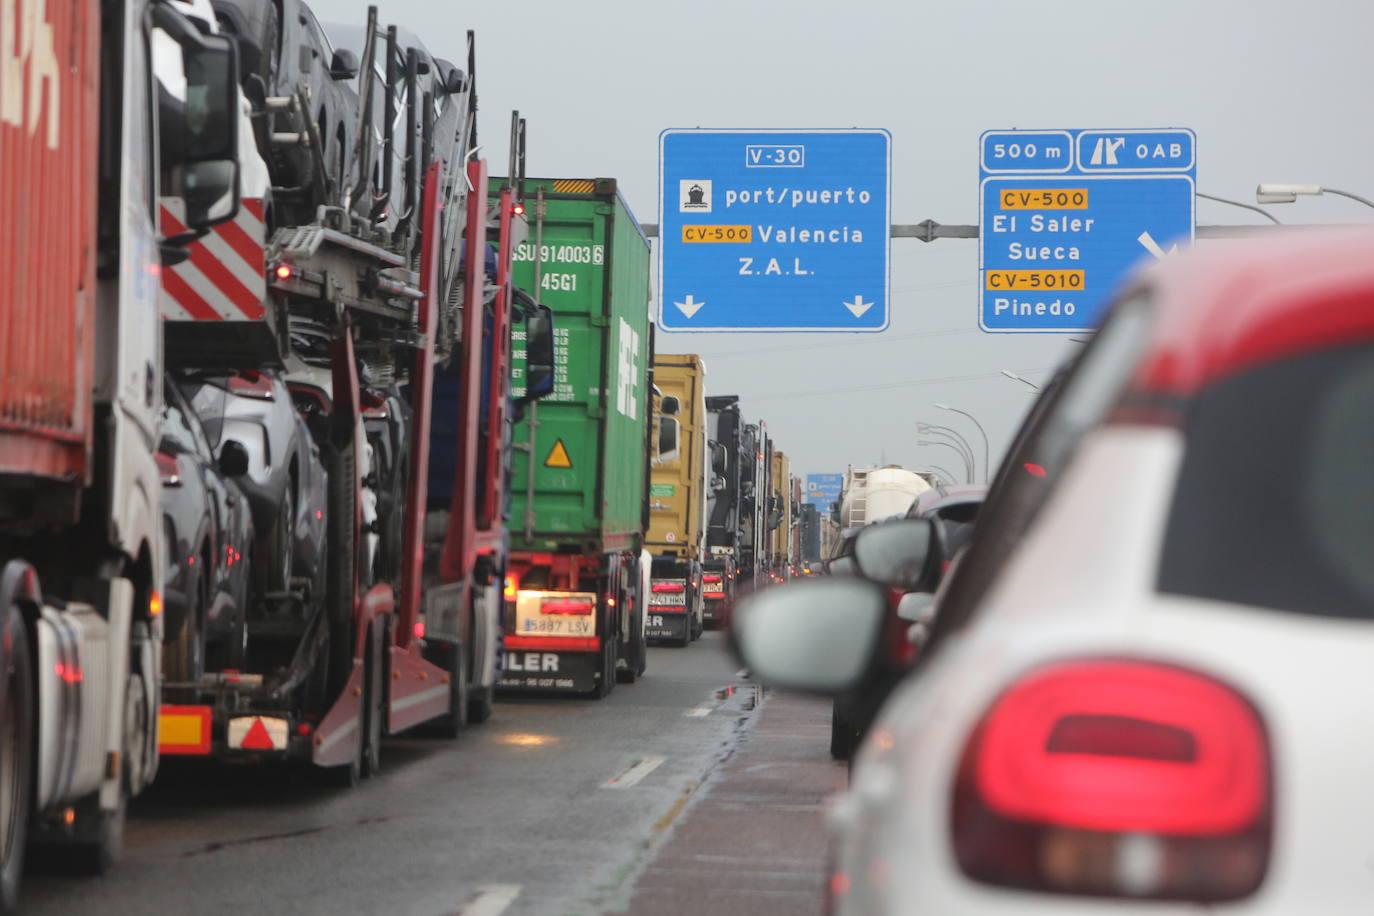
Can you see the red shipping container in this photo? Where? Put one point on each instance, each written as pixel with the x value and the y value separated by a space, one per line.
pixel 49 134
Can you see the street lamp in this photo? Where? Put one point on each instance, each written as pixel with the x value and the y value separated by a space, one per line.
pixel 1016 378
pixel 1287 193
pixel 968 472
pixel 935 429
pixel 1235 203
pixel 947 475
pixel 984 433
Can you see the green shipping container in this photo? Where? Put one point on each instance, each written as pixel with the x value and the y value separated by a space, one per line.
pixel 587 259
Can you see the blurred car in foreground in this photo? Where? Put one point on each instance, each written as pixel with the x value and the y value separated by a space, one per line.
pixel 1146 685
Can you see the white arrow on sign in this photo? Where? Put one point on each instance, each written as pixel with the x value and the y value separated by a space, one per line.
pixel 1153 247
pixel 690 307
pixel 858 306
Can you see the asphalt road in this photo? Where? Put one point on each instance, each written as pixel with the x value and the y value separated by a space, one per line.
pixel 554 806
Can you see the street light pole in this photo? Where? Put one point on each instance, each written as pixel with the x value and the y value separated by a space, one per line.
pixel 1016 378
pixel 935 429
pixel 947 475
pixel 987 470
pixel 1287 193
pixel 968 473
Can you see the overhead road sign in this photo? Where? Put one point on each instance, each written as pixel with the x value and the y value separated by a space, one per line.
pixel 1065 214
pixel 823 489
pixel 774 230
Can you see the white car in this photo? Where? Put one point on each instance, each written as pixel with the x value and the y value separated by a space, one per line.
pixel 1149 686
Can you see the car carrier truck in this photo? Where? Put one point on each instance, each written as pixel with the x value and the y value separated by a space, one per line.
pixel 677 500
pixel 83 113
pixel 575 608
pixel 390 314
pixel 728 452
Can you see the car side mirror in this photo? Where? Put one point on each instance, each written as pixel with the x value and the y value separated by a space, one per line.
pixel 344 65
pixel 917 607
pixel 816 635
pixel 900 554
pixel 233 458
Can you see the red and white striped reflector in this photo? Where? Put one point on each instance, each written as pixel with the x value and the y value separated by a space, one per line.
pixel 223 279
pixel 257 733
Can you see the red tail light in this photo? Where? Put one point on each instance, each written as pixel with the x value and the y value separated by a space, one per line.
pixel 660 588
pixel 709 580
pixel 168 469
pixel 566 606
pixel 1117 778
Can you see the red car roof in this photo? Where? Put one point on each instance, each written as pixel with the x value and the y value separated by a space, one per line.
pixel 1225 307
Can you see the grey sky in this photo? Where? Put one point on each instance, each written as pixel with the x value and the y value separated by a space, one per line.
pixel 1276 91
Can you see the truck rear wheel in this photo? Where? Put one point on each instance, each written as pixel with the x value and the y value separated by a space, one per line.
pixel 342 560
pixel 374 678
pixel 16 757
pixel 451 724
pixel 99 833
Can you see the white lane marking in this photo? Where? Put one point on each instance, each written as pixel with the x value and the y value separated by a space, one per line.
pixel 705 709
pixel 742 674
pixel 491 900
pixel 637 771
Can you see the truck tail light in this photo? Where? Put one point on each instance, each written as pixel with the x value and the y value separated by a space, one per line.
pixel 660 588
pixel 579 606
pixel 710 580
pixel 1117 778
pixel 511 588
pixel 168 469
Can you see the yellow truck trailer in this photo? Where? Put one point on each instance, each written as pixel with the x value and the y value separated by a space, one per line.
pixel 677 499
pixel 780 519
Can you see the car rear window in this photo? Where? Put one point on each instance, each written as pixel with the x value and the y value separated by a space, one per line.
pixel 1275 499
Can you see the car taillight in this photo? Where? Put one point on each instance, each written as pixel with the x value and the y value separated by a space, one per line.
pixel 710 580
pixel 168 469
pixel 660 588
pixel 1117 778
pixel 566 606
pixel 251 384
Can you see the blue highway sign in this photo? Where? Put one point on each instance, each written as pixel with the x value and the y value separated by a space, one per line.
pixel 823 489
pixel 1065 214
pixel 774 230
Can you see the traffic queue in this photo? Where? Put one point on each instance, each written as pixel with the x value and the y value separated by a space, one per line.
pixel 313 430
pixel 1130 673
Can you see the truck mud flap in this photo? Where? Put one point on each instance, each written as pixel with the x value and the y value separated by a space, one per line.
pixel 524 670
pixel 666 626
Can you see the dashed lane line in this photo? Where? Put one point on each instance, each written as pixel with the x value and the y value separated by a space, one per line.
pixel 637 771
pixel 491 900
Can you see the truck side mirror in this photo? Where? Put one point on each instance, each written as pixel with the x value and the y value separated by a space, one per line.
pixel 719 459
pixel 455 81
pixel 668 433
pixel 670 406
pixel 198 117
pixel 539 368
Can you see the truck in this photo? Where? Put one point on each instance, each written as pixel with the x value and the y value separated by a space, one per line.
pixel 780 519
pixel 575 609
pixel 389 311
pixel 725 497
pixel 90 134
pixel 677 500
pixel 755 474
pixel 871 494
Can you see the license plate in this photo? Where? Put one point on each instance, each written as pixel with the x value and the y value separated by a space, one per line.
pixel 558 626
pixel 668 598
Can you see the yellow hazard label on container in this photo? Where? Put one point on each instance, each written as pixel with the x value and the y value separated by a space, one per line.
pixel 574 186
pixel 558 456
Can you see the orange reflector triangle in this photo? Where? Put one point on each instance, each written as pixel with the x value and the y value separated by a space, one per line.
pixel 257 738
pixel 558 456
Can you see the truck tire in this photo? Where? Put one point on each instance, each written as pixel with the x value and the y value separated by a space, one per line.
pixel 341 561
pixel 374 677
pixel 606 683
pixel 841 733
pixel 16 756
pixel 480 704
pixel 183 659
pixel 451 725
